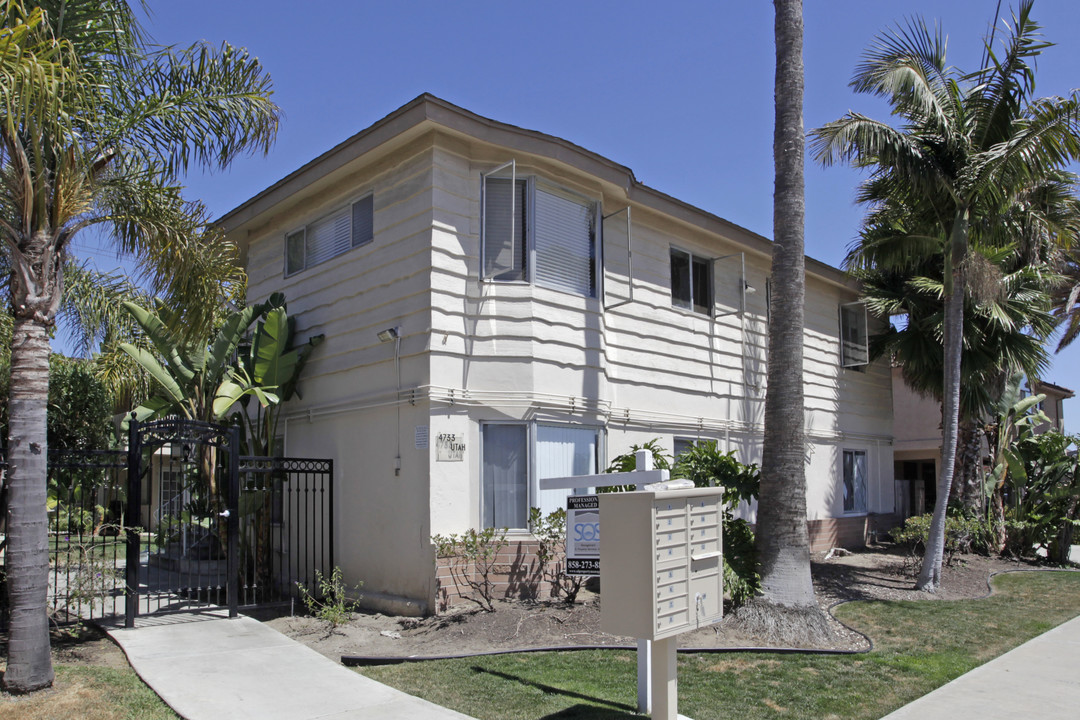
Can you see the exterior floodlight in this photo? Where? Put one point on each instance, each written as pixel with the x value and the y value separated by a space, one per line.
pixel 750 289
pixel 389 334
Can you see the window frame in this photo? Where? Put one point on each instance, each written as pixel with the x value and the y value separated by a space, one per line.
pixel 861 343
pixel 530 233
pixel 532 490
pixel 855 495
pixel 350 209
pixel 691 303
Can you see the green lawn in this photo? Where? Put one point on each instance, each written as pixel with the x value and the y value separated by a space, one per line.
pixel 86 692
pixel 918 647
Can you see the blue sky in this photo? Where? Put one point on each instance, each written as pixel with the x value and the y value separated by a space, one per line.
pixel 680 92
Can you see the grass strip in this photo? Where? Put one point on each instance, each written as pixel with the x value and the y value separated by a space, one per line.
pixel 89 692
pixel 919 646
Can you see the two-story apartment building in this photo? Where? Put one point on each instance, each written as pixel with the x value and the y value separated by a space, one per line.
pixel 502 306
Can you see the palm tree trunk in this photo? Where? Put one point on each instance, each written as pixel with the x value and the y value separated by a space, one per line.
pixel 968 474
pixel 29 665
pixel 783 540
pixel 930 574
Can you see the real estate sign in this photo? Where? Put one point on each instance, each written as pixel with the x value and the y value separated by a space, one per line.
pixel 582 535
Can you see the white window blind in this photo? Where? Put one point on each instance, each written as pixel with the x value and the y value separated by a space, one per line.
pixel 506 476
pixel 565 244
pixel 330 235
pixel 560 452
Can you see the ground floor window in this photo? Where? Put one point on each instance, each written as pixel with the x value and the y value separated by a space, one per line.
pixel 854 481
pixel 517 455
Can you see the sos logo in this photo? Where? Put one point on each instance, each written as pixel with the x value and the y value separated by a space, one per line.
pixel 584 532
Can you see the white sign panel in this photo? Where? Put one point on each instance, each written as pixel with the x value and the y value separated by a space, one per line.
pixel 582 535
pixel 449 447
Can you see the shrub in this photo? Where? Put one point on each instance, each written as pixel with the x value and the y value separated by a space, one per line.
pixel 550 533
pixel 962 535
pixel 472 556
pixel 329 602
pixel 706 466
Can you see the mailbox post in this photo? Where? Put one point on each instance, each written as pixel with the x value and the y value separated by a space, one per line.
pixel 661 557
pixel 643 474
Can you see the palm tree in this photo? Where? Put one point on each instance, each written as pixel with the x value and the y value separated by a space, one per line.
pixel 970 149
pixel 783 540
pixel 96 131
pixel 1004 329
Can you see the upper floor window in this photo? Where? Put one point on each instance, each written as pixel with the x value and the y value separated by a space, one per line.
pixel 534 231
pixel 854 350
pixel 330 235
pixel 691 282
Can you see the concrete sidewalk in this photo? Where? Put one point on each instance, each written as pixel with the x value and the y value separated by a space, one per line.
pixel 207 667
pixel 1037 679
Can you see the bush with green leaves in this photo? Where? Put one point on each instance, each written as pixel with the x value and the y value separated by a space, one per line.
pixel 471 557
pixel 328 600
pixel 962 535
pixel 706 466
pixel 1042 496
pixel 550 533
pixel 627 462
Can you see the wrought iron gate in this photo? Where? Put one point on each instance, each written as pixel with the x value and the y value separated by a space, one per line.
pixel 180 521
pixel 193 543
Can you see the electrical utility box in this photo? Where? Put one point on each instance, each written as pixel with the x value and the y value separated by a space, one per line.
pixel 661 569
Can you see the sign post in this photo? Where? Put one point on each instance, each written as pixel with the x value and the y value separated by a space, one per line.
pixel 582 535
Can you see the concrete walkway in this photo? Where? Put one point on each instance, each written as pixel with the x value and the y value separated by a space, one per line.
pixel 1038 679
pixel 207 667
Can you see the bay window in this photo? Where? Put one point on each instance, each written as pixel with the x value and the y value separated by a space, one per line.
pixel 517 455
pixel 535 231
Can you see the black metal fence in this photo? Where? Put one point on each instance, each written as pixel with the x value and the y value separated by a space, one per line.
pixel 109 556
pixel 87 544
pixel 286 526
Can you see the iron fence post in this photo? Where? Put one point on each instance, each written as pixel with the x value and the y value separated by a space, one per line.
pixel 131 522
pixel 233 523
pixel 329 514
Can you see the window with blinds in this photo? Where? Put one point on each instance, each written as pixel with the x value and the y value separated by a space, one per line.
pixel 515 456
pixel 538 233
pixel 330 236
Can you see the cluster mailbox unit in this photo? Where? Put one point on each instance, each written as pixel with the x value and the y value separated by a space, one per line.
pixel 661 572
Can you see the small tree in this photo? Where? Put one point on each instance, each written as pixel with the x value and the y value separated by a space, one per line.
pixel 550 533
pixel 472 556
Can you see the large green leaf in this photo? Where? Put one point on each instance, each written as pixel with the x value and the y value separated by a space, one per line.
pixel 163 341
pixel 227 340
pixel 273 365
pixel 235 387
pixel 162 376
pixel 288 388
pixel 152 408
